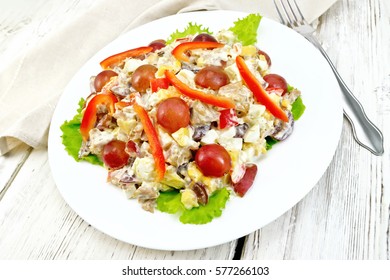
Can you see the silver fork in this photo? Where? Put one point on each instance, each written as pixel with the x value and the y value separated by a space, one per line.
pixel 364 131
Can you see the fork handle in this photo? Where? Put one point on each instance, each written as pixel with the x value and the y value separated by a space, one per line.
pixel 364 131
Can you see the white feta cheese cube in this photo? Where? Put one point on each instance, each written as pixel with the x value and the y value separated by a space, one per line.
pixel 210 137
pixel 255 111
pixel 131 64
pixel 144 168
pixel 231 144
pixel 253 134
pixel 228 133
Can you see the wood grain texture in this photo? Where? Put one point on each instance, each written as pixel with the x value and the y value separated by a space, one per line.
pixel 346 215
pixel 23 24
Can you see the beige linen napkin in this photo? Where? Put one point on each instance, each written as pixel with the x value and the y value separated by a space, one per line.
pixel 31 85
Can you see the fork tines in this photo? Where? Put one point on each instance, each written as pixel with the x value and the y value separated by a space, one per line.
pixel 288 13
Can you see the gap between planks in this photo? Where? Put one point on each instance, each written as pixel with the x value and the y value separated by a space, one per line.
pixel 26 153
pixel 239 248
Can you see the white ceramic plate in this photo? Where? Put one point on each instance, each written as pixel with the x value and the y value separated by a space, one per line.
pixel 286 174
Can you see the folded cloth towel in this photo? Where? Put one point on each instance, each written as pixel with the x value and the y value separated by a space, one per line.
pixel 32 83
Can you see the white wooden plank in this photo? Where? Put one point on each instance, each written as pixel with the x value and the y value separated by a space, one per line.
pixel 382 91
pixel 42 226
pixel 24 23
pixel 10 165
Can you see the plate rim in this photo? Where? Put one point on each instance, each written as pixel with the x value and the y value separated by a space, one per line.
pixel 178 248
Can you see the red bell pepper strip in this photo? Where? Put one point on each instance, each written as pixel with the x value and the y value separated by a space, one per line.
pixel 113 60
pixel 90 114
pixel 258 91
pixel 159 83
pixel 154 142
pixel 180 51
pixel 211 99
pixel 227 118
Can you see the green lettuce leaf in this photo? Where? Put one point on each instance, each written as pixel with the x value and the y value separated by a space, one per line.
pixel 298 108
pixel 191 29
pixel 270 142
pixel 170 202
pixel 245 29
pixel 290 88
pixel 206 213
pixel 71 137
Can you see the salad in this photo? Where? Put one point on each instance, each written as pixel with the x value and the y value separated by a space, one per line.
pixel 179 124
